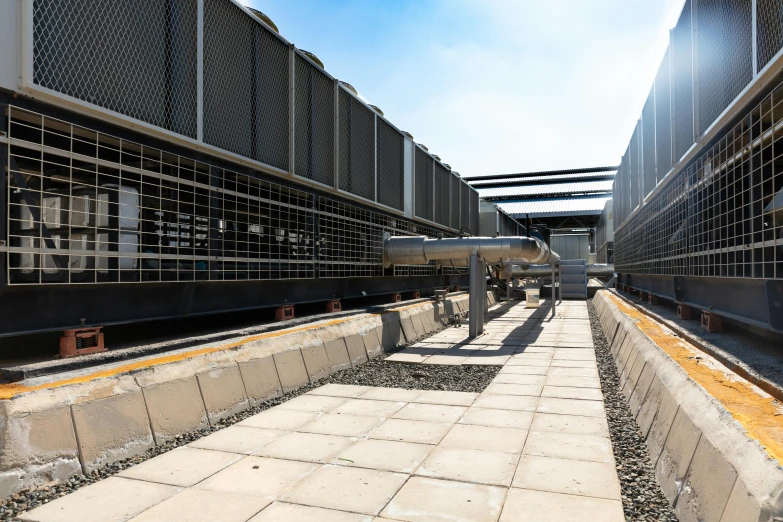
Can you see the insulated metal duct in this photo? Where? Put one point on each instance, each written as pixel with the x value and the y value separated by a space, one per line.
pixel 594 270
pixel 419 250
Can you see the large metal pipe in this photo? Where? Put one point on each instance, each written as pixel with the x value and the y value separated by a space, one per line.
pixel 594 270
pixel 419 250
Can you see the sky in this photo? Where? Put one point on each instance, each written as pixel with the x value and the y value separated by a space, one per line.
pixel 494 86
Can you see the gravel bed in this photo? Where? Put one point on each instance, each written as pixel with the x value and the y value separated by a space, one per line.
pixel 643 500
pixel 373 373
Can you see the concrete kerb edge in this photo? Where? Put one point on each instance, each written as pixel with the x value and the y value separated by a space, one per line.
pixel 759 478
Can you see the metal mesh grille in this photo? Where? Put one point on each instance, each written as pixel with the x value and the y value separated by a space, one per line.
pixel 635 176
pixel 423 185
pixel 663 122
pixel 769 30
pixel 648 144
pixel 725 54
pixel 313 123
pixel 681 48
pixel 465 208
pixel 133 57
pixel 391 176
pixel 442 195
pixel 722 216
pixel 246 84
pixel 474 211
pixel 357 147
pixel 455 201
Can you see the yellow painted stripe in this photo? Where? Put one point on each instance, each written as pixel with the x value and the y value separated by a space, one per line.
pixel 758 413
pixel 9 391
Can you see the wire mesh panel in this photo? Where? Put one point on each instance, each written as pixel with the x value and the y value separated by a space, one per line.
pixel 350 243
pixel 133 57
pixel 391 176
pixel 682 66
pixel 423 182
pixel 648 144
pixel 442 195
pixel 769 30
pixel 455 201
pixel 663 121
pixel 465 208
pixel 357 147
pixel 474 211
pixel 725 54
pixel 313 123
pixel 635 168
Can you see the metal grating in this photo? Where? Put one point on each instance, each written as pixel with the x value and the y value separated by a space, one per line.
pixel 423 185
pixel 357 147
pixel 682 65
pixel 635 171
pixel 391 176
pixel 314 123
pixel 442 195
pixel 465 208
pixel 725 54
pixel 455 201
pixel 663 121
pixel 133 57
pixel 723 215
pixel 648 144
pixel 769 30
pixel 474 212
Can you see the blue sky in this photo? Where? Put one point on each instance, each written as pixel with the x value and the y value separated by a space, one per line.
pixel 494 86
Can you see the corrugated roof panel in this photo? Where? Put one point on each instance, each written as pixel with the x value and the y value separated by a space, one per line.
pixel 554 177
pixel 580 187
pixel 543 207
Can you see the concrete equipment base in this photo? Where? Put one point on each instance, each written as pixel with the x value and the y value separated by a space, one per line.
pixel 716 440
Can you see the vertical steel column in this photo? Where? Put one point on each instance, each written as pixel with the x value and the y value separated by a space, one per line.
pixel 3 194
pixel 554 290
pixel 200 71
pixel 291 109
pixel 476 302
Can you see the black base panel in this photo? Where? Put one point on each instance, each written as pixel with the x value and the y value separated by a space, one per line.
pixel 43 308
pixel 753 301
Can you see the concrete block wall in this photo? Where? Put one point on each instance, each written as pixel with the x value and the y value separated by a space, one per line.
pixel 707 465
pixel 54 430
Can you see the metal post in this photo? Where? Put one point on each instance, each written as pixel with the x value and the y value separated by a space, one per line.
pixel 554 291
pixel 476 321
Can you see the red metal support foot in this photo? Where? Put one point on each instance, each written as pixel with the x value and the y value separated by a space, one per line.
pixel 396 298
pixel 284 313
pixel 83 341
pixel 334 306
pixel 654 299
pixel 711 322
pixel 684 311
pixel 416 294
pixel 456 288
pixel 645 296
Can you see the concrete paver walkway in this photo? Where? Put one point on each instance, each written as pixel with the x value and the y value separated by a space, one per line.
pixel 533 446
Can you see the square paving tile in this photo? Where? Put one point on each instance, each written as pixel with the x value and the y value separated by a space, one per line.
pixel 447 398
pixel 482 359
pixel 181 466
pixel 529 361
pixel 570 380
pixel 513 378
pixel 450 358
pixel 284 512
pixel 311 447
pixel 574 477
pixel 573 372
pixel 487 438
pixel 408 356
pixel 344 488
pixel 280 419
pixel 569 392
pixel 369 407
pixel 342 424
pixel 467 465
pixel 543 506
pixel 316 403
pixel 524 370
pixel 568 446
pixel 387 455
pixel 431 412
pixel 497 418
pixel 259 477
pixel 339 390
pixel 569 363
pixel 195 505
pixel 507 402
pixel 576 424
pixel 404 430
pixel 237 439
pixel 533 390
pixel 112 500
pixel 431 500
pixel 390 394
pixel 571 407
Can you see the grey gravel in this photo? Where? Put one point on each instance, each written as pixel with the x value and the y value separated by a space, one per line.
pixel 642 498
pixel 372 373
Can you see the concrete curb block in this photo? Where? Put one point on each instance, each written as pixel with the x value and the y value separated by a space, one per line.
pixel 707 466
pixel 56 432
